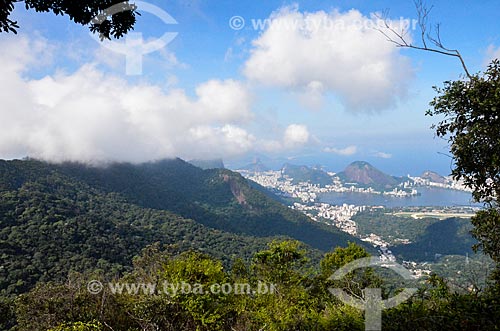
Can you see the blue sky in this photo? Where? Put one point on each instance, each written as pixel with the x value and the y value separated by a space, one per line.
pixel 316 85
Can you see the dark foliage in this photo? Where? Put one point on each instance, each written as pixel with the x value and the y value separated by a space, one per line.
pixel 108 18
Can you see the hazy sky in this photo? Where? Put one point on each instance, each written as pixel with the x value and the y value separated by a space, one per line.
pixel 309 81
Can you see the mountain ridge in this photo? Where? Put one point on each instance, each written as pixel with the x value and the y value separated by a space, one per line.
pixel 301 173
pixel 206 164
pixel 433 177
pixel 255 166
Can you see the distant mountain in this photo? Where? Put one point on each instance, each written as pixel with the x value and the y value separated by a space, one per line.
pixel 255 166
pixel 306 174
pixel 433 177
pixel 364 174
pixel 208 164
pixel 60 217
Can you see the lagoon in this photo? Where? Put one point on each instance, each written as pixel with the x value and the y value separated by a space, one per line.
pixel 436 197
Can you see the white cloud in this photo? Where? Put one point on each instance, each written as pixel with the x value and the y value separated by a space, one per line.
pixel 492 53
pixel 296 135
pixel 349 150
pixel 312 95
pixel 208 142
pixel 340 51
pixel 271 146
pixel 224 100
pixel 90 116
pixel 382 155
pixel 20 53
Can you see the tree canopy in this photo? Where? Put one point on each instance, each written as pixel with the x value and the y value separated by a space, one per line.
pixel 275 293
pixel 471 111
pixel 108 18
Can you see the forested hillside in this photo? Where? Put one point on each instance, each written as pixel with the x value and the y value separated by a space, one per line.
pixel 428 237
pixel 53 224
pixel 365 175
pixel 218 198
pixel 57 218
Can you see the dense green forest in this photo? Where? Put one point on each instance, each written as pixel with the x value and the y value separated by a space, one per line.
pixel 58 218
pixel 443 246
pixel 281 295
pixel 47 232
pixel 217 198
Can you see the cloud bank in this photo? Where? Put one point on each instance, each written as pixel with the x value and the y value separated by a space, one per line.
pixel 90 116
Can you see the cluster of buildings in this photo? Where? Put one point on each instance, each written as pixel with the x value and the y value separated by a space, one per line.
pixel 307 192
pixel 339 216
pixel 447 183
pixel 386 254
pixel 401 193
pixel 383 247
pixel 397 192
pixel 416 269
pixel 283 185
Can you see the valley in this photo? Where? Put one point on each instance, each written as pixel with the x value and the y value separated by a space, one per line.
pixel 390 213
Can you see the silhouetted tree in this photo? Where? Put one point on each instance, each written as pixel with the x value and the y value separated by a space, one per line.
pixel 107 17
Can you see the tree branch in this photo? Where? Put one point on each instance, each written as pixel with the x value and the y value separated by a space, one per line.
pixel 398 38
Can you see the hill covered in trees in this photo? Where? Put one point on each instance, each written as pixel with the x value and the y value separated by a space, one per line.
pixel 428 237
pixel 57 218
pixel 301 173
